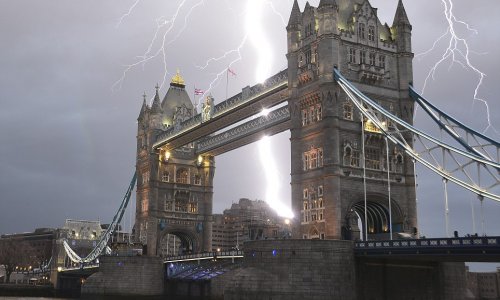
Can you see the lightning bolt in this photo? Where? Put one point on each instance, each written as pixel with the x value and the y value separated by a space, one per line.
pixel 458 51
pixel 162 49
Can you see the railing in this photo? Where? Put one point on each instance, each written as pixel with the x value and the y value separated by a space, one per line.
pixel 206 255
pixel 430 243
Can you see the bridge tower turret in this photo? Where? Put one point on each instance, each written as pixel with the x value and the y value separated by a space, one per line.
pixel 175 187
pixel 327 132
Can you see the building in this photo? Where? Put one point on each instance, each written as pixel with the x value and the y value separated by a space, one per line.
pixel 483 285
pixel 244 221
pixel 328 134
pixel 174 189
pixel 25 252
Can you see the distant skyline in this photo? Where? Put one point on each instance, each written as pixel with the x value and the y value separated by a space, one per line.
pixel 68 139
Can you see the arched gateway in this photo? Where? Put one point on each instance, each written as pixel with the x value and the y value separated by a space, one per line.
pixel 338 158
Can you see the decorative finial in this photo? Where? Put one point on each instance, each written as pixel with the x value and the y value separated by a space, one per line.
pixel 177 79
pixel 144 96
pixel 157 87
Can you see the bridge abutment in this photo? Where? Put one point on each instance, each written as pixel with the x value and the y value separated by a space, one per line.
pixel 295 269
pixel 126 276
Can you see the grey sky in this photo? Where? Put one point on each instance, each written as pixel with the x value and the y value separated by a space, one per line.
pixel 68 140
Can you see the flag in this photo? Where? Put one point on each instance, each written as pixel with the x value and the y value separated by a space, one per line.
pixel 198 91
pixel 231 71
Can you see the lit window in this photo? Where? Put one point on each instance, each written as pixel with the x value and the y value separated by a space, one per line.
pixel 197 180
pixel 306 205
pixel 313 163
pixel 306 194
pixel 319 112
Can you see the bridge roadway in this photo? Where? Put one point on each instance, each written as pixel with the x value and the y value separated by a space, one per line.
pixel 250 102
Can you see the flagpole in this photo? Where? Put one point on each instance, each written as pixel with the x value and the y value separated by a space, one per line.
pixel 227 80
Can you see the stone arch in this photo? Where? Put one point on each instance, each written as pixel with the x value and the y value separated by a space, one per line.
pixel 377 216
pixel 185 241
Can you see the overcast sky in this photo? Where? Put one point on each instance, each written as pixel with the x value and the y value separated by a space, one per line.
pixel 68 138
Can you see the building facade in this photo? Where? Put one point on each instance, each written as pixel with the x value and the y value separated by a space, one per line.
pixel 327 140
pixel 174 189
pixel 247 220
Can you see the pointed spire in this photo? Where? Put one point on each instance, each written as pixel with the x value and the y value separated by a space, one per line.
pixel 327 3
pixel 156 106
pixel 295 15
pixel 144 108
pixel 308 6
pixel 401 18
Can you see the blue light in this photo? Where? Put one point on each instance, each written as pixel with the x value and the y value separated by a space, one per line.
pixel 275 252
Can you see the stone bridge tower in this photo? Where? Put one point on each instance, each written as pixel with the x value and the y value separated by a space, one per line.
pixel 326 131
pixel 174 189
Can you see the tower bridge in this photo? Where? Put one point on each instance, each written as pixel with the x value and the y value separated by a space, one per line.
pixel 347 100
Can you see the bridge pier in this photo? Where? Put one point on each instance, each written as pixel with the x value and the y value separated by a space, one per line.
pixel 126 276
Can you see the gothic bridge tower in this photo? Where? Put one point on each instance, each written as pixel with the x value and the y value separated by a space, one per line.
pixel 326 133
pixel 174 189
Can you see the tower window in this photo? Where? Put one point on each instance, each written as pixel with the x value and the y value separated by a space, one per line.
pixel 348 110
pixel 308 56
pixel 352 55
pixel 182 176
pixel 371 33
pixel 197 180
pixel 381 61
pixel 372 58
pixel 362 57
pixel 165 176
pixel 361 30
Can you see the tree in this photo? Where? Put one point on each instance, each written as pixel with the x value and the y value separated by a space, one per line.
pixel 14 253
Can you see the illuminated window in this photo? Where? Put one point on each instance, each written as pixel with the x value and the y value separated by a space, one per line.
pixel 352 55
pixel 313 159
pixel 371 33
pixel 313 163
pixel 306 194
pixel 372 58
pixel 197 180
pixel 361 30
pixel 193 207
pixel 306 205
